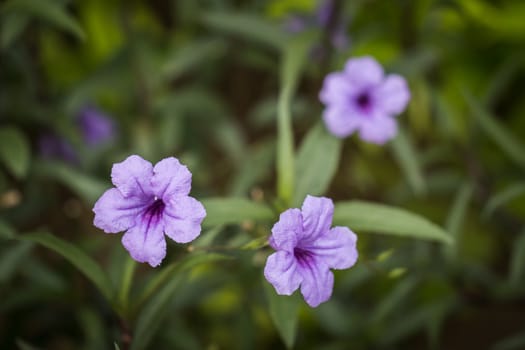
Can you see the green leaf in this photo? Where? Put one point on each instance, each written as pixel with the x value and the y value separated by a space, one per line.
pixel 87 187
pixel 153 313
pixel 509 144
pixel 12 258
pixel 14 151
pixel 12 27
pixel 293 61
pixel 379 218
pixel 50 11
pixel 247 26
pixel 405 155
pixel 284 311
pixel 220 211
pixel 77 257
pixel 192 56
pixel 6 231
pixel 317 162
pixel 457 214
pixel 503 197
pixel 517 262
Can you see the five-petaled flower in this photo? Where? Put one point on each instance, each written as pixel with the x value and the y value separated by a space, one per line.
pixel 307 248
pixel 362 98
pixel 148 202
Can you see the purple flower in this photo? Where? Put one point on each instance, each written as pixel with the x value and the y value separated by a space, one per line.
pixel 361 98
pixel 96 127
pixel 148 202
pixel 307 248
pixel 54 146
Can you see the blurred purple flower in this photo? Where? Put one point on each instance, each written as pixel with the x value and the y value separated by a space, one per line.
pixel 53 146
pixel 148 202
pixel 307 248
pixel 362 98
pixel 96 128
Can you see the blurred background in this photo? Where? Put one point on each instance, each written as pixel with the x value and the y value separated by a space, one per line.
pixel 84 84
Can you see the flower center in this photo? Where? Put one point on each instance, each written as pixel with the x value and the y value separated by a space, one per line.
pixel 363 101
pixel 154 212
pixel 302 256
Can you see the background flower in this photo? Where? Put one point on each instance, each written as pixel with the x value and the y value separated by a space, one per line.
pixel 96 127
pixel 361 98
pixel 307 248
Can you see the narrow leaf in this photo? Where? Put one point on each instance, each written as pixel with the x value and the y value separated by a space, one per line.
pixel 379 218
pixel 14 151
pixel 503 197
pixel 284 313
pixel 508 143
pixel 517 262
pixel 151 316
pixel 6 231
pixel 249 27
pixel 50 11
pixel 405 155
pixel 293 60
pixel 317 162
pixel 457 214
pixel 77 257
pixel 220 211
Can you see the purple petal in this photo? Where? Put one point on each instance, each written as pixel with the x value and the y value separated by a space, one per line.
pixel 96 127
pixel 171 178
pixel 114 213
pixel 324 12
pixel 281 272
pixel 317 281
pixel 364 72
pixel 337 248
pixel 145 241
pixel 317 215
pixel 393 94
pixel 337 90
pixel 378 129
pixel 182 219
pixel 286 231
pixel 340 122
pixel 132 177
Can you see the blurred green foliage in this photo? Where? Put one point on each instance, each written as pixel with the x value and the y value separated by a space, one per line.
pixel 203 81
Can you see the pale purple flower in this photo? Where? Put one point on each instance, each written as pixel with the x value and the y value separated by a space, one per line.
pixel 148 202
pixel 307 248
pixel 361 98
pixel 96 127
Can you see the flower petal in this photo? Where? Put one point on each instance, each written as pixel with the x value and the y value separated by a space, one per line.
pixel 182 219
pixel 132 176
pixel 340 122
pixel 337 248
pixel 378 129
pixel 317 281
pixel 171 178
pixel 336 89
pixel 317 215
pixel 393 94
pixel 363 72
pixel 145 241
pixel 114 213
pixel 281 272
pixel 286 231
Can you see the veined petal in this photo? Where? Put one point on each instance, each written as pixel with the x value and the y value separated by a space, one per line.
pixel 392 95
pixel 317 281
pixel 182 219
pixel 317 213
pixel 286 231
pixel 171 178
pixel 145 241
pixel 114 213
pixel 336 89
pixel 132 177
pixel 363 72
pixel 281 272
pixel 336 248
pixel 340 121
pixel 378 129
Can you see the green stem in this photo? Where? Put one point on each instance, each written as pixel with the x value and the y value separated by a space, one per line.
pixel 127 277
